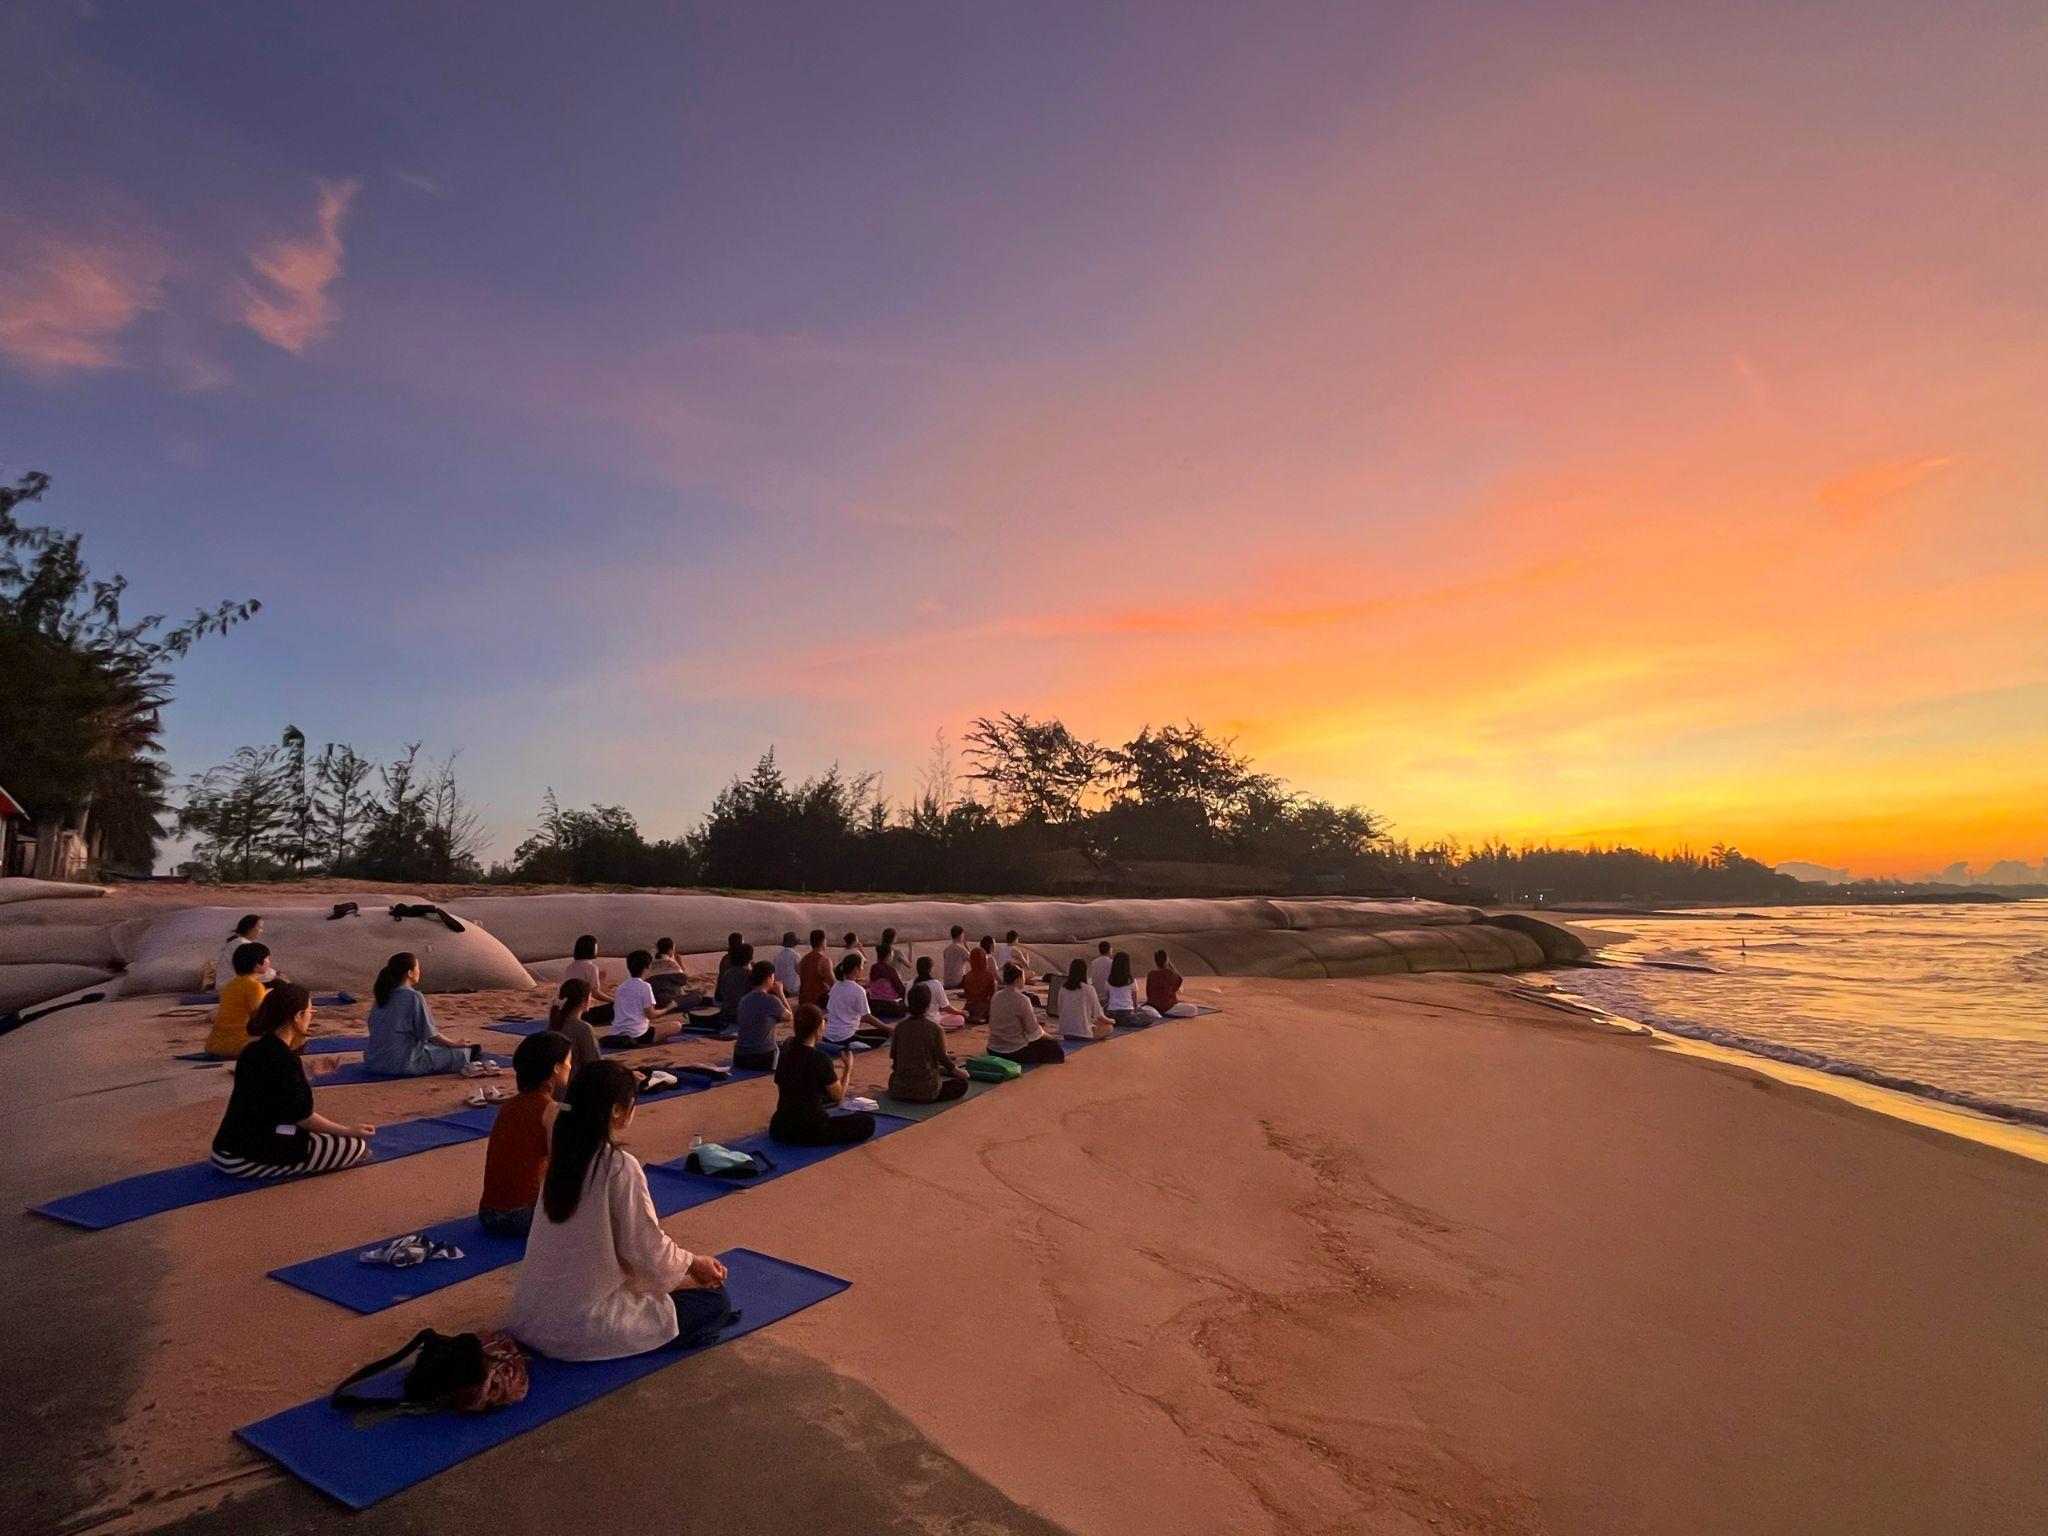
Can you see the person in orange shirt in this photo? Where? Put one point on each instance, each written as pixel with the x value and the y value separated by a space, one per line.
pixel 516 1161
pixel 239 1000
pixel 814 975
pixel 978 986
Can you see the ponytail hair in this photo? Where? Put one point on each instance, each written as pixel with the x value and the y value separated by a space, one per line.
pixel 568 1002
pixel 583 1131
pixel 281 1004
pixel 392 977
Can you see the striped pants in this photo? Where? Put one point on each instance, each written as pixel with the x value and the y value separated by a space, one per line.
pixel 325 1153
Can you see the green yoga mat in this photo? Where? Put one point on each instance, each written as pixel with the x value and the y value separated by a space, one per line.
pixel 975 1089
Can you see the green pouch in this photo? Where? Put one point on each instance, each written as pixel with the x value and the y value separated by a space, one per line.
pixel 992 1069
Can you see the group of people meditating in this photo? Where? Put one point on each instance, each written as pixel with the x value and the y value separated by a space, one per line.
pixel 600 1278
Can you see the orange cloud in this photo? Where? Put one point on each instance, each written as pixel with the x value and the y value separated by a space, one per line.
pixel 65 307
pixel 287 303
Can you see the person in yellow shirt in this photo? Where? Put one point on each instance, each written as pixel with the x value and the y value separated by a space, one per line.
pixel 239 1000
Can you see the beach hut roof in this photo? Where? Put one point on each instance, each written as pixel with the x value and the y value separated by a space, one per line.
pixel 9 806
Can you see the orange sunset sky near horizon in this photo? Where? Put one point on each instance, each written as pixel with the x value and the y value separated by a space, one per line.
pixel 1596 424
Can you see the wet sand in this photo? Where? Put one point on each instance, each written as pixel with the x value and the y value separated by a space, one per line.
pixel 1402 1255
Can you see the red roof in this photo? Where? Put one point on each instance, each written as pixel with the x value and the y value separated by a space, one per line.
pixel 9 806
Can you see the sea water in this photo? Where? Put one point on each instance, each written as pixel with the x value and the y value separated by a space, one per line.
pixel 1949 1003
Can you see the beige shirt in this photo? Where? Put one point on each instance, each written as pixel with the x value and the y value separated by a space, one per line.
pixel 595 1287
pixel 953 963
pixel 1012 1021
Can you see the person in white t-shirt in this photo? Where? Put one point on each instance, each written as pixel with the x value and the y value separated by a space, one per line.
pixel 846 1007
pixel 1077 1008
pixel 1122 1002
pixel 1098 972
pixel 636 1018
pixel 939 1008
pixel 786 959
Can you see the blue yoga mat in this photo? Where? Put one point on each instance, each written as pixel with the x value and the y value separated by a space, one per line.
pixel 518 1026
pixel 321 1045
pixel 151 1194
pixel 356 1072
pixel 344 1279
pixel 333 1000
pixel 324 1447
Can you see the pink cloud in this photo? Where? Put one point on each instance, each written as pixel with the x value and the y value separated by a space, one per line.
pixel 287 302
pixel 64 307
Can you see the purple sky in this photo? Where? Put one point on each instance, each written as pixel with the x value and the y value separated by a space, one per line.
pixel 611 398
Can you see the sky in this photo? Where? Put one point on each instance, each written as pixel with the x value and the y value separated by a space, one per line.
pixel 1587 422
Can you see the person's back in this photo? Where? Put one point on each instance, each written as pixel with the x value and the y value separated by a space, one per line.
pixel 270 1095
pixel 1162 986
pixel 1098 976
pixel 239 1000
pixel 732 986
pixel 576 1297
pixel 953 963
pixel 846 1005
pixel 1079 1011
pixel 516 1158
pixel 1012 1021
pixel 787 961
pixel 978 987
pixel 814 977
pixel 918 1061
pixel 761 1014
pixel 583 1043
pixel 398 1026
pixel 802 1074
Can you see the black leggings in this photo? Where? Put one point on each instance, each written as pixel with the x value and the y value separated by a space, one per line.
pixel 949 1088
pixel 835 1131
pixel 1041 1052
pixel 754 1061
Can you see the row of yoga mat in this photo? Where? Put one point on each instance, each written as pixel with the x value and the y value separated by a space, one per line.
pixel 359 1460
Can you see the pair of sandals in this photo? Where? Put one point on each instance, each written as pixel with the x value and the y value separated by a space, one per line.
pixel 489 1094
pixel 405 1252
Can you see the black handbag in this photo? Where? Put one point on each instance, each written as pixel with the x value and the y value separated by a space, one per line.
pixel 463 1371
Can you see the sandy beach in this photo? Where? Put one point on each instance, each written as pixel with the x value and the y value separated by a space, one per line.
pixel 1399 1254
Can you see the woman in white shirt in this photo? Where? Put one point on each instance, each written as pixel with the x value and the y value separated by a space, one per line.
pixel 1122 1006
pixel 1077 1007
pixel 601 1280
pixel 940 1007
pixel 847 1015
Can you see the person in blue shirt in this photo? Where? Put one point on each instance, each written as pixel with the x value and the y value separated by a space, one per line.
pixel 403 1039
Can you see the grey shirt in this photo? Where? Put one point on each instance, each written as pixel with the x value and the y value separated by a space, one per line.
pixel 760 1015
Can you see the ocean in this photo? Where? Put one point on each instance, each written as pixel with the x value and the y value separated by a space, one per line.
pixel 1948 1003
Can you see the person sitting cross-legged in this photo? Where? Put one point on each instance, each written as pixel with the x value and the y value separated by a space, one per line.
pixel 601 1280
pixel 636 1018
pixel 403 1039
pixel 516 1160
pixel 565 1018
pixel 762 1012
pixel 270 1130
pixel 885 984
pixel 1077 1007
pixel 940 1007
pixel 807 1084
pixel 847 1013
pixel 920 1070
pixel 1013 1028
pixel 978 987
pixel 240 997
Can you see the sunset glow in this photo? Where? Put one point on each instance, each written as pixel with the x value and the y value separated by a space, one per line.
pixel 1623 430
